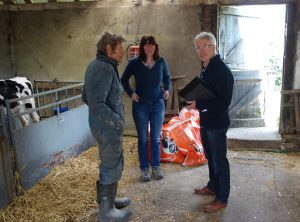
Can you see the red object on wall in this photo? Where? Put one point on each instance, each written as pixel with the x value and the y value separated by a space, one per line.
pixel 134 51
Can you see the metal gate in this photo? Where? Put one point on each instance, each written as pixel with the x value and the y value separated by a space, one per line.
pixel 41 86
pixel 43 145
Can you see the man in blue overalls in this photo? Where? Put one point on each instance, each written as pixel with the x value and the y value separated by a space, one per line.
pixel 102 94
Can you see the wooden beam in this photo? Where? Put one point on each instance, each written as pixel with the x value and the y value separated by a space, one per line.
pixel 11 44
pixel 291 136
pixel 10 6
pixel 208 18
pixel 252 2
pixel 178 77
pixel 290 50
pixel 297 111
pixel 179 88
pixel 288 92
pixel 289 61
pixel 8 1
pixel 175 99
pixel 50 6
pixel 229 10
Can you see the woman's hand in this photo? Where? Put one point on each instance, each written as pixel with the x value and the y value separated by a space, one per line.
pixel 166 94
pixel 191 104
pixel 135 97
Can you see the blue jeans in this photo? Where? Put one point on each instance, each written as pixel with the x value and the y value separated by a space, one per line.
pixel 145 112
pixel 214 142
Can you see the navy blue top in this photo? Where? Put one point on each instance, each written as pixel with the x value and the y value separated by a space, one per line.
pixel 214 112
pixel 147 81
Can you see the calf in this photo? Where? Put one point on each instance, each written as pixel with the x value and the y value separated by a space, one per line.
pixel 16 88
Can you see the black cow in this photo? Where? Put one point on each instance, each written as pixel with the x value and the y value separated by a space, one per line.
pixel 16 88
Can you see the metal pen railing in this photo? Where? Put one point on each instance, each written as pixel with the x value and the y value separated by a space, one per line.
pixel 56 106
pixel 45 86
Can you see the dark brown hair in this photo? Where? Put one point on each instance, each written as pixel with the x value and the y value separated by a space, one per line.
pixel 108 38
pixel 148 39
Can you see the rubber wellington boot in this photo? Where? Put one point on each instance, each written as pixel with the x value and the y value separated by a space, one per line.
pixel 107 210
pixel 122 201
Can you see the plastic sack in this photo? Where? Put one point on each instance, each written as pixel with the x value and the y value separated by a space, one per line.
pixel 181 141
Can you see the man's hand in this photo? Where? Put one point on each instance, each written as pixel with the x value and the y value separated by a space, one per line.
pixel 191 105
pixel 135 97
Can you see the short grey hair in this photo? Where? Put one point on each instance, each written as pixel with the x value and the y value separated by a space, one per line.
pixel 109 38
pixel 208 36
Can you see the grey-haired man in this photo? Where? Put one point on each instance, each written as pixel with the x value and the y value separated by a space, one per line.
pixel 214 120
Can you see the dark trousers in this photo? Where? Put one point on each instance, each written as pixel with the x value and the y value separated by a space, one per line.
pixel 110 143
pixel 145 112
pixel 214 142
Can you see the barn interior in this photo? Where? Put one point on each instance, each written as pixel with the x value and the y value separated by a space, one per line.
pixel 52 41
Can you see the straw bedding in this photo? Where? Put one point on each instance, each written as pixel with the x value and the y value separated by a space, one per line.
pixel 68 191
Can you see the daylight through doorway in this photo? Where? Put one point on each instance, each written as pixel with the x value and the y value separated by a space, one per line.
pixel 256 47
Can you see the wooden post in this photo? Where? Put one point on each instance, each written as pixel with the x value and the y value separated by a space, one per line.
pixel 297 113
pixel 172 106
pixel 11 44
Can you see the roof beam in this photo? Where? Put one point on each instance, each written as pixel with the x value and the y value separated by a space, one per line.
pixel 48 6
pixel 11 6
pixel 8 1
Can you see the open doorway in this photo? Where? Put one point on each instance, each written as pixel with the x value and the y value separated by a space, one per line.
pixel 251 42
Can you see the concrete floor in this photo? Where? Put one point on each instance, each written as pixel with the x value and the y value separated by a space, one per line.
pixel 265 187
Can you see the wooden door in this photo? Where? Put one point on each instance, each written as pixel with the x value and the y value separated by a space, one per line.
pixel 247 106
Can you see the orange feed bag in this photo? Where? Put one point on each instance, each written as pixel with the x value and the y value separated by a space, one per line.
pixel 181 141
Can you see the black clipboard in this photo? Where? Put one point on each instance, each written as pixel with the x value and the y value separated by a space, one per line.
pixel 197 89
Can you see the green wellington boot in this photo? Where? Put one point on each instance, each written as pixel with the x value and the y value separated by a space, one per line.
pixel 107 211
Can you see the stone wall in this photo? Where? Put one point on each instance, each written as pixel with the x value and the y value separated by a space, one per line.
pixel 60 43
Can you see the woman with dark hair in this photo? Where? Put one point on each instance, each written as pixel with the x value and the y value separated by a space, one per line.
pixel 150 70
